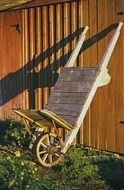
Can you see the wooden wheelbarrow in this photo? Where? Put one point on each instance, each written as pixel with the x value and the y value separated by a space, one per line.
pixel 68 103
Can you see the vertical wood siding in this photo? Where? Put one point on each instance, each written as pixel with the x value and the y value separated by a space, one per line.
pixel 50 37
pixel 49 34
pixel 119 83
pixel 10 65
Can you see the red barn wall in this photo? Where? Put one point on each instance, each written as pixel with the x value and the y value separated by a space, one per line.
pixel 10 63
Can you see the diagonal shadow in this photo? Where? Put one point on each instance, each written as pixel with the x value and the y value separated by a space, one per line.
pixel 49 73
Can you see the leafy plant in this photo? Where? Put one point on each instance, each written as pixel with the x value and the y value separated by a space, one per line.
pixel 78 172
pixel 14 133
pixel 16 173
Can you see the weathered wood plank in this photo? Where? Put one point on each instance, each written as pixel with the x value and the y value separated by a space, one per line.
pixel 59 37
pixel 80 68
pixel 67 98
pixel 32 52
pixel 38 68
pixel 66 109
pixel 70 119
pixel 35 116
pixel 25 57
pixel 78 74
pixel 45 34
pixel 93 59
pixel 73 86
pixel 101 108
pixel 31 114
pixel 86 63
pixel 81 59
pixel 66 33
pixel 111 125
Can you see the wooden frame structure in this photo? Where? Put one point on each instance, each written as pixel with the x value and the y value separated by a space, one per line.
pixel 49 147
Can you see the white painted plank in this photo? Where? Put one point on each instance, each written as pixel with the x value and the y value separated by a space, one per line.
pixel 73 57
pixel 110 48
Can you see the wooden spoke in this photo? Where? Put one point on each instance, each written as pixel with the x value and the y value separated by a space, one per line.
pixel 57 146
pixel 48 149
pixel 50 158
pixel 51 140
pixel 42 152
pixel 57 154
pixel 45 157
pixel 43 145
pixel 48 140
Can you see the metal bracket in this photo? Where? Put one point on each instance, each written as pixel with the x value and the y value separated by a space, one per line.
pixel 17 27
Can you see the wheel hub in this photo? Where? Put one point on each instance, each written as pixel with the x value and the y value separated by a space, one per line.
pixel 51 150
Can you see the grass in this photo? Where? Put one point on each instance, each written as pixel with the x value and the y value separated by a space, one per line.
pixel 82 168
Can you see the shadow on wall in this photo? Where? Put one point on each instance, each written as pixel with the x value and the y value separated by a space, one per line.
pixel 26 78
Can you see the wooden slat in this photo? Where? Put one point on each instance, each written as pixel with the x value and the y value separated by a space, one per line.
pixel 35 116
pixel 111 116
pixel 86 63
pixel 74 24
pixel 66 29
pixel 45 49
pixel 70 119
pixel 93 61
pixel 101 109
pixel 73 86
pixel 38 66
pixel 66 109
pixel 81 61
pixel 59 38
pixel 32 114
pixel 67 98
pixel 26 55
pixel 23 56
pixel 52 40
pixel 31 56
pixel 66 16
pixel 78 74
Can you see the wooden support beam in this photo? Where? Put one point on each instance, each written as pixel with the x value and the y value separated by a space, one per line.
pixel 73 57
pixel 110 48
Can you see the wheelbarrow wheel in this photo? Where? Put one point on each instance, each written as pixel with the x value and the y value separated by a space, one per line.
pixel 47 149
